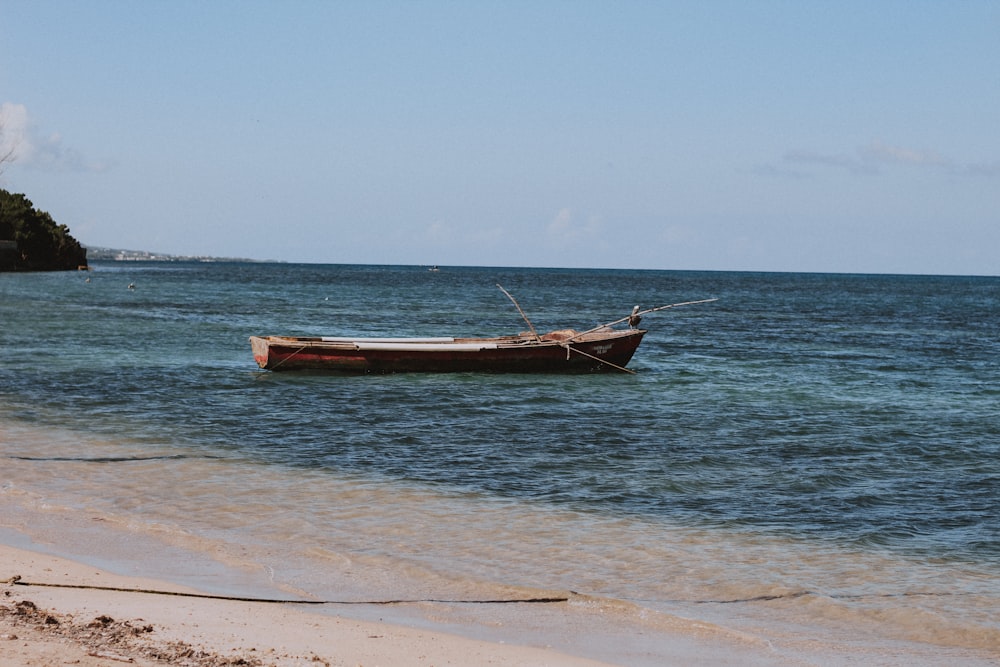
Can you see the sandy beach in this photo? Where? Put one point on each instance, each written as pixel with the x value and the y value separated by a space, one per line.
pixel 81 587
pixel 55 611
pixel 47 625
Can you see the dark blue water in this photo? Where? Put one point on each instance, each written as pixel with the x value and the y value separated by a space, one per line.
pixel 855 409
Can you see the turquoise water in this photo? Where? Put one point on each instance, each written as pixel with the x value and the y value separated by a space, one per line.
pixel 832 441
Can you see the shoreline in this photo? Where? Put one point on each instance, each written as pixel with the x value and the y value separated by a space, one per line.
pixel 54 538
pixel 48 536
pixel 56 610
pixel 43 534
pixel 97 626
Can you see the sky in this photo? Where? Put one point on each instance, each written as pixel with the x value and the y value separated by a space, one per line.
pixel 855 137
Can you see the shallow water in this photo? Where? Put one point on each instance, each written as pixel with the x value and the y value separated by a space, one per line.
pixel 811 455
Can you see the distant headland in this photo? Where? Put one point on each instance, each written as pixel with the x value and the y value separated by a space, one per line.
pixel 30 240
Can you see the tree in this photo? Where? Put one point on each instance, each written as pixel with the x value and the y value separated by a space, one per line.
pixel 30 240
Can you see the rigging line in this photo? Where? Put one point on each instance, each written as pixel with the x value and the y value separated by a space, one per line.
pixel 17 581
pixel 570 348
pixel 289 357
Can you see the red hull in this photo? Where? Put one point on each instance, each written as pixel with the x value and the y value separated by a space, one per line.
pixel 606 350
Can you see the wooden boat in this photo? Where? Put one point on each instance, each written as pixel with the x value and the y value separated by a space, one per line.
pixel 602 348
pixel 558 351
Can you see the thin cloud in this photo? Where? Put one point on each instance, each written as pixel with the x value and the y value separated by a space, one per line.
pixel 441 234
pixel 983 168
pixel 873 159
pixel 565 229
pixel 13 124
pixel 778 171
pixel 880 152
pixel 856 164
pixel 21 139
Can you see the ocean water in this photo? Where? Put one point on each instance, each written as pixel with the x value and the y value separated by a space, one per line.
pixel 811 456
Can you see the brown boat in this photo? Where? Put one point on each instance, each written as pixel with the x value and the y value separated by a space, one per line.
pixel 602 348
pixel 558 351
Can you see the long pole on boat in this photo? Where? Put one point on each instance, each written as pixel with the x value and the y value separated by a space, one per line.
pixel 516 305
pixel 640 314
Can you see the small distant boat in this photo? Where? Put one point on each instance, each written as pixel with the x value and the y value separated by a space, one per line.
pixel 603 348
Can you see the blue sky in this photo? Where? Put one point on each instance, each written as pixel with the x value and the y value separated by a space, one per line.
pixel 775 136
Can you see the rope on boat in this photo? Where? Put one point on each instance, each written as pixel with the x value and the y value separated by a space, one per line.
pixel 634 316
pixel 289 357
pixel 636 313
pixel 570 348
pixel 17 581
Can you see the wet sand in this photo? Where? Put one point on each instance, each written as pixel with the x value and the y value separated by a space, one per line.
pixel 43 625
pixel 55 611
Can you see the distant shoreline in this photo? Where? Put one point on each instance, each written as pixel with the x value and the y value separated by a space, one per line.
pixel 99 254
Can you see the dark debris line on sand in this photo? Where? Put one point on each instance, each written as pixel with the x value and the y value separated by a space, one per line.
pixel 120 641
